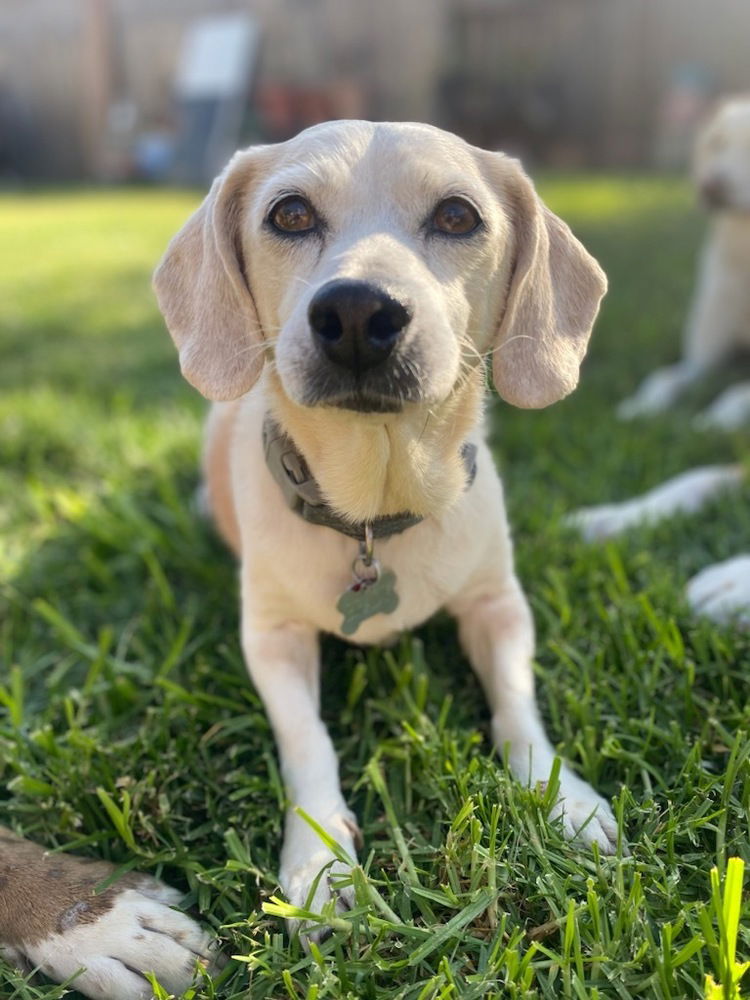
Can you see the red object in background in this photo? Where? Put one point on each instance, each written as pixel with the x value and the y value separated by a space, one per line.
pixel 285 110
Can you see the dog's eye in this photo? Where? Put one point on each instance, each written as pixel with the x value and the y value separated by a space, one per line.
pixel 455 217
pixel 293 214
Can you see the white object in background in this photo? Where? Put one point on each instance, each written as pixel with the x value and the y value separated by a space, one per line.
pixel 729 412
pixel 721 592
pixel 213 91
pixel 217 56
pixel 683 494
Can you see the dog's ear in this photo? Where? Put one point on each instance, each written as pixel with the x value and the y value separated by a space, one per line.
pixel 551 304
pixel 202 288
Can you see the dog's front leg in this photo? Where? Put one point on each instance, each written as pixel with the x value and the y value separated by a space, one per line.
pixel 497 633
pixel 710 336
pixel 284 663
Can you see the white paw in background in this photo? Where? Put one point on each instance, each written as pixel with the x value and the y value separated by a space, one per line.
pixel 655 394
pixel 586 817
pixel 305 857
pixel 602 521
pixel 140 933
pixel 729 412
pixel 683 494
pixel 721 592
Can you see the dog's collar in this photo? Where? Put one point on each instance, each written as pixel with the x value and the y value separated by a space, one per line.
pixel 302 493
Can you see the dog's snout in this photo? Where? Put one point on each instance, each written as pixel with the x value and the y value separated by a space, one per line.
pixel 713 191
pixel 356 324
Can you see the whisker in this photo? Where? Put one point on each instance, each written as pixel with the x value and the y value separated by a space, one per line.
pixel 424 426
pixel 255 348
pixel 518 336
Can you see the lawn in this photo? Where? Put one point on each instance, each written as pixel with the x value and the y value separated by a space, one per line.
pixel 123 682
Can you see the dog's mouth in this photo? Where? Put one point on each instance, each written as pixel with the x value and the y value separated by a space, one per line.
pixel 362 400
pixel 385 389
pixel 728 208
pixel 366 403
pixel 721 198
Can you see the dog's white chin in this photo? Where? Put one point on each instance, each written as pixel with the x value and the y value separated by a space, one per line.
pixel 371 465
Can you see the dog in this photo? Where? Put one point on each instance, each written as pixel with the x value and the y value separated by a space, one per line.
pixel 719 323
pixel 336 297
pixel 719 320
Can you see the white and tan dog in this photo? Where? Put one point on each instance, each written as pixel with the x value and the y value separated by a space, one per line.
pixel 719 319
pixel 718 324
pixel 337 295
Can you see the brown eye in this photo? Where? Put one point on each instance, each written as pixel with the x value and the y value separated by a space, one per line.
pixel 293 215
pixel 455 217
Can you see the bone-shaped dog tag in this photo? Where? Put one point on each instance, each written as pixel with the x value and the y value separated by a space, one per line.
pixel 366 598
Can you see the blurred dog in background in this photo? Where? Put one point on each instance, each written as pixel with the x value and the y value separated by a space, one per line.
pixel 718 325
pixel 719 319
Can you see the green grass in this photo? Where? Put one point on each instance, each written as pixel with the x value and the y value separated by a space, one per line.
pixel 129 729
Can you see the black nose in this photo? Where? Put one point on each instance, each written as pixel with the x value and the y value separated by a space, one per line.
pixel 714 193
pixel 356 324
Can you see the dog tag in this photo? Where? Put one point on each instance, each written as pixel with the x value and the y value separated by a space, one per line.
pixel 367 597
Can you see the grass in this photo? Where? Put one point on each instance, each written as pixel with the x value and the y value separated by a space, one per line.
pixel 129 729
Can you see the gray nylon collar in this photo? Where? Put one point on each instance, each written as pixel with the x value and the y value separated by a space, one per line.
pixel 302 493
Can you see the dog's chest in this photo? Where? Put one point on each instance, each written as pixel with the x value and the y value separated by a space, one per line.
pixel 307 573
pixel 293 570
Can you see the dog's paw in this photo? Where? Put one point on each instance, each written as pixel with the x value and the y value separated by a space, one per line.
pixel 633 407
pixel 311 876
pixel 652 398
pixel 586 817
pixel 311 886
pixel 597 523
pixel 683 494
pixel 721 592
pixel 656 393
pixel 108 952
pixel 729 412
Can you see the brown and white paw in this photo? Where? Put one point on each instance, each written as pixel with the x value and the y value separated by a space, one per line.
pixel 139 934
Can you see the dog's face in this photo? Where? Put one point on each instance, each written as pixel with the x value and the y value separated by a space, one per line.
pixel 395 255
pixel 373 263
pixel 722 158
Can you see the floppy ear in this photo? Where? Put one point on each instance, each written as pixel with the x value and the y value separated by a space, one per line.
pixel 552 302
pixel 202 290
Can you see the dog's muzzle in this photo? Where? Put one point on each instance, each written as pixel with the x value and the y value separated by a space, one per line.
pixel 714 193
pixel 362 358
pixel 356 324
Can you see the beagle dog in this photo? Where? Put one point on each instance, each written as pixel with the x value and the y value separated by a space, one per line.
pixel 337 296
pixel 719 319
pixel 718 325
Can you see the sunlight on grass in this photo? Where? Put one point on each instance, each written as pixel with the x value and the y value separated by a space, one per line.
pixel 601 199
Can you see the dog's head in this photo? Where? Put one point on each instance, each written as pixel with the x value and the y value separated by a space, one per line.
pixel 376 263
pixel 721 165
